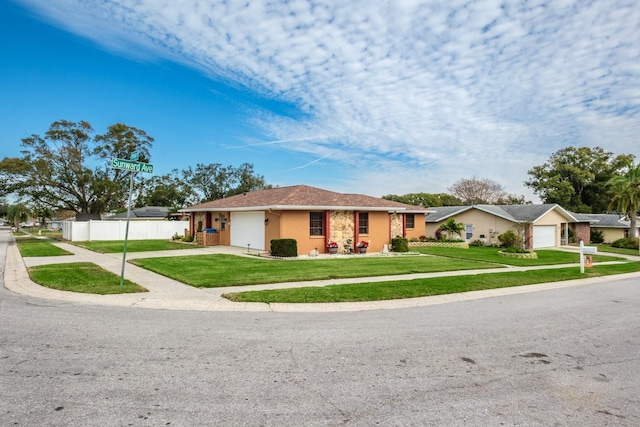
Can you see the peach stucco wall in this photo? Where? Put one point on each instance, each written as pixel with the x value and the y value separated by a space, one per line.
pixel 342 226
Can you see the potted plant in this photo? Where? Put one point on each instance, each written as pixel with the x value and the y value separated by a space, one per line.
pixel 362 246
pixel 332 247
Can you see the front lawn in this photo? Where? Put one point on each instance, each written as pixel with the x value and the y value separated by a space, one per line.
pixel 612 250
pixel 425 287
pixel 33 247
pixel 117 246
pixel 211 271
pixel 83 277
pixel 489 254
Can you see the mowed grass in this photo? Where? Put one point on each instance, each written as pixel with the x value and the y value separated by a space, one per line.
pixel 425 287
pixel 210 271
pixel 488 254
pixel 33 247
pixel 612 250
pixel 83 277
pixel 117 246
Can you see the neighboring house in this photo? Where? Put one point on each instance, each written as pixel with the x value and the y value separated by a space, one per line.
pixel 311 216
pixel 542 226
pixel 612 226
pixel 148 213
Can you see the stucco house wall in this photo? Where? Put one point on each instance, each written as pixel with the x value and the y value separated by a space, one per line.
pixel 486 227
pixel 611 234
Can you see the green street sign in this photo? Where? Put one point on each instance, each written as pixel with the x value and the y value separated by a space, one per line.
pixel 131 165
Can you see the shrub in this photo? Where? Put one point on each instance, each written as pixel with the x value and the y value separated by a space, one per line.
pixel 626 243
pixel 509 239
pixel 399 244
pixel 514 250
pixel 477 242
pixel 187 238
pixel 597 236
pixel 284 248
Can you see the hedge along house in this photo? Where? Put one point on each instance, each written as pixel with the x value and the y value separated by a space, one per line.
pixel 541 226
pixel 311 216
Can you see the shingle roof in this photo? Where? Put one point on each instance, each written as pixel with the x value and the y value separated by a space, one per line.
pixel 605 220
pixel 515 213
pixel 146 212
pixel 299 197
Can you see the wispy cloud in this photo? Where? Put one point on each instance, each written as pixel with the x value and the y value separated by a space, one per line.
pixel 446 89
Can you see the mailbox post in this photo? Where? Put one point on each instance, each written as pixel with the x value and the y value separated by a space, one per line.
pixel 586 250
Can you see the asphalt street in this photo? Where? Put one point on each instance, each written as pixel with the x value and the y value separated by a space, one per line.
pixel 565 357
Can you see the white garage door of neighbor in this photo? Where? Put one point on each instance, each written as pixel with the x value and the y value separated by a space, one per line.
pixel 247 228
pixel 544 236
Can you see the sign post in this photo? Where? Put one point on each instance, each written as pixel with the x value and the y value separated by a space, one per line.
pixel 586 251
pixel 131 165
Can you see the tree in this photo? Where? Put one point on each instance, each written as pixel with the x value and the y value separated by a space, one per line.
pixel 166 190
pixel 17 213
pixel 451 227
pixel 576 178
pixel 626 196
pixel 68 169
pixel 425 199
pixel 213 181
pixel 475 191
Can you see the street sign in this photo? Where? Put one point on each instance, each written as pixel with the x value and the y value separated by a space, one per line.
pixel 132 165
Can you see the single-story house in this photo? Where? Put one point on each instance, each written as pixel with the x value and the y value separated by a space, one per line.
pixel 612 226
pixel 541 225
pixel 148 213
pixel 312 216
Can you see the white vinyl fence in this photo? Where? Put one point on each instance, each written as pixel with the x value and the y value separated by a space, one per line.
pixel 79 231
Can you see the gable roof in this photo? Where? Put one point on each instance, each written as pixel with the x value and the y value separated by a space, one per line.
pixel 514 213
pixel 302 197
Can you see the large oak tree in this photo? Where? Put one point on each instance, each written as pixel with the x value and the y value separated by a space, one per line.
pixel 70 169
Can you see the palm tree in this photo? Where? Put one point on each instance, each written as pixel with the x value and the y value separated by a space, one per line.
pixel 17 213
pixel 626 199
pixel 452 227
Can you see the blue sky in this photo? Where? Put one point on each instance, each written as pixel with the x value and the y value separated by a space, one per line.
pixel 352 96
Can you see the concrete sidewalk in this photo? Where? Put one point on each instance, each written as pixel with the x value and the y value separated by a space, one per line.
pixel 165 293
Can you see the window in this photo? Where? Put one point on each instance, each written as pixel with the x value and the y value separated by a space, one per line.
pixel 468 231
pixel 363 223
pixel 316 223
pixel 411 220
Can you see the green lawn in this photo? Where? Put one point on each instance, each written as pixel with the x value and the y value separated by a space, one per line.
pixel 33 247
pixel 425 287
pixel 117 246
pixel 488 254
pixel 84 277
pixel 210 271
pixel 611 249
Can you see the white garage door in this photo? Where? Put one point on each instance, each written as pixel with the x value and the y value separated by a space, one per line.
pixel 247 228
pixel 544 236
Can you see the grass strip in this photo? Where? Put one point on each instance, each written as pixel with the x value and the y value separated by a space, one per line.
pixel 489 254
pixel 117 246
pixel 82 277
pixel 33 247
pixel 379 291
pixel 211 271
